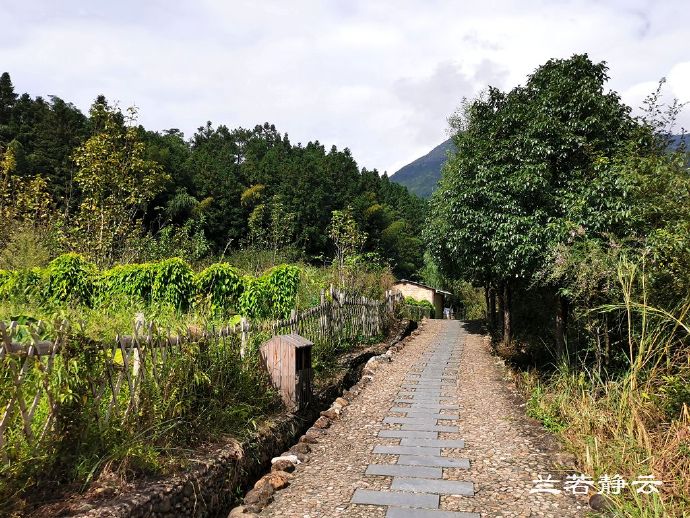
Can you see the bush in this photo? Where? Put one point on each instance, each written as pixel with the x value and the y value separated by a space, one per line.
pixel 20 284
pixel 254 301
pixel 173 283
pixel 421 304
pixel 130 280
pixel 220 287
pixel 282 284
pixel 70 279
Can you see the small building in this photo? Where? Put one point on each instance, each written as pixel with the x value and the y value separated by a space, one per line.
pixel 288 361
pixel 419 291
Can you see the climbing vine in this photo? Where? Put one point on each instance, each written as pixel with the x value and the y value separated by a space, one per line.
pixel 219 288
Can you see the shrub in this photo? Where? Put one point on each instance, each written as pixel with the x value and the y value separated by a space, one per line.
pixel 173 283
pixel 70 279
pixel 282 283
pixel 421 304
pixel 220 287
pixel 130 280
pixel 21 284
pixel 254 301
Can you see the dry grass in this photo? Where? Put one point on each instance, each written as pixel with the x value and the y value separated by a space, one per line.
pixel 637 423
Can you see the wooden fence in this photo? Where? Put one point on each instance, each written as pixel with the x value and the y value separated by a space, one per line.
pixel 123 378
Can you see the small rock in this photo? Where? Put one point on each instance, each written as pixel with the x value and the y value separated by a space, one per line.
pixel 300 447
pixel 322 422
pixel 259 497
pixel 188 489
pixel 371 365
pixel 283 465
pixel 342 402
pixel 331 414
pixel 104 492
pixel 241 511
pixel 288 457
pixel 314 432
pixel 276 479
pixel 600 502
pixel 302 457
pixel 308 439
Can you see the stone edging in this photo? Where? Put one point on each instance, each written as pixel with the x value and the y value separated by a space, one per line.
pixel 211 485
pixel 283 466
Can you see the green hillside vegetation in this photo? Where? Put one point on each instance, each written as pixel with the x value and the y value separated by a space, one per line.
pixel 422 175
pixel 103 186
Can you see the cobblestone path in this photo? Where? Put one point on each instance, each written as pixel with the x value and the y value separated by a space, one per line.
pixel 436 434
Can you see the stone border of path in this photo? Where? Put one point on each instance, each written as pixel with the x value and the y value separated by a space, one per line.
pixel 417 474
pixel 282 467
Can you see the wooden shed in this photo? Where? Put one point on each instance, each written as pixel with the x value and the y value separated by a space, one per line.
pixel 288 361
pixel 419 291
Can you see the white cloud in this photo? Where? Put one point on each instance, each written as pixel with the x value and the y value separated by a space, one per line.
pixel 679 81
pixel 379 77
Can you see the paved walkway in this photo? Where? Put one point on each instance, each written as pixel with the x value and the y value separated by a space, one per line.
pixel 436 434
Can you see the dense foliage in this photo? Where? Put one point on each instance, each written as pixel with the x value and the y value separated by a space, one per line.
pixel 574 217
pixel 545 171
pixel 109 189
pixel 220 289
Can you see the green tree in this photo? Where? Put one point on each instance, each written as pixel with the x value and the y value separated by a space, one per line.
pixel 117 182
pixel 347 238
pixel 8 99
pixel 526 172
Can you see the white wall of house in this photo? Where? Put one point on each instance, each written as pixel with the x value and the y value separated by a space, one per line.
pixel 422 293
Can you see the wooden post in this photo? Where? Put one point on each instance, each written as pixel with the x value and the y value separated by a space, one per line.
pixel 243 331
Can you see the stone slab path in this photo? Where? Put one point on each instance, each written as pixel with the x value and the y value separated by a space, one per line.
pixel 435 434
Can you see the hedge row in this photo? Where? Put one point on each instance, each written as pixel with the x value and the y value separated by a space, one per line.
pixel 422 304
pixel 220 288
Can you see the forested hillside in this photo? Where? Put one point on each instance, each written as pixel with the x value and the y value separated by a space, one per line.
pixel 102 185
pixel 422 175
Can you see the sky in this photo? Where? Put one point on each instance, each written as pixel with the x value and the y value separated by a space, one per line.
pixel 379 77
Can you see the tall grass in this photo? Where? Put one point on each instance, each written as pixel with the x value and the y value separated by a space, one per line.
pixel 636 421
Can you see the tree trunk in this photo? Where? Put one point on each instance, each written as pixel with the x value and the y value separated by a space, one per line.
pixel 561 326
pixel 486 302
pixel 492 306
pixel 500 320
pixel 490 312
pixel 507 313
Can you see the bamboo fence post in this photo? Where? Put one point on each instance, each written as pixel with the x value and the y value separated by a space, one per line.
pixel 243 335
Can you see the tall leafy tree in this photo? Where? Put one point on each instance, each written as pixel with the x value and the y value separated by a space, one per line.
pixel 524 175
pixel 117 182
pixel 8 99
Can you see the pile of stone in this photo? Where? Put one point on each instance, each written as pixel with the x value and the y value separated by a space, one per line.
pixel 284 465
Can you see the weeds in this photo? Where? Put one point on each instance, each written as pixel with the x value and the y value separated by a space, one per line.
pixel 635 422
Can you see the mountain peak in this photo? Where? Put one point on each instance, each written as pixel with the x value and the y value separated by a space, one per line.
pixel 422 175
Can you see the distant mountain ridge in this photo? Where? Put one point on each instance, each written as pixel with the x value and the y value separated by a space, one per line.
pixel 422 175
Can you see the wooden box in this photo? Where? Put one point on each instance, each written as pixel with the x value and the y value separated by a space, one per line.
pixel 288 361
